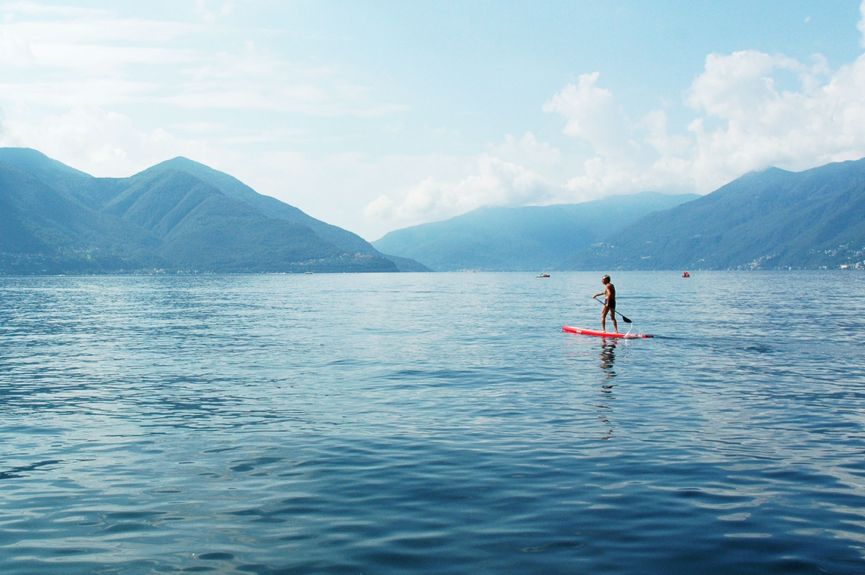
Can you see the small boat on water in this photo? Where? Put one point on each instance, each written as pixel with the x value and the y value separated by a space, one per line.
pixel 543 275
pixel 686 275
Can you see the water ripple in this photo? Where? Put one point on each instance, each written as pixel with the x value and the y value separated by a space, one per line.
pixel 432 423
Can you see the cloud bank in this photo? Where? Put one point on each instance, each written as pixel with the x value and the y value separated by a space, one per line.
pixel 748 110
pixel 76 82
pixel 494 182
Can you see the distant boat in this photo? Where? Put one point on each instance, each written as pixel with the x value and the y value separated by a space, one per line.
pixel 543 275
pixel 686 275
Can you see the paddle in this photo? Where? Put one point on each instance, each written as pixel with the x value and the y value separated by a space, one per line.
pixel 625 319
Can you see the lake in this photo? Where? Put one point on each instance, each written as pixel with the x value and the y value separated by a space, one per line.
pixel 432 423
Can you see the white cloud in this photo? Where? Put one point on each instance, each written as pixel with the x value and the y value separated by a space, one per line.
pixel 591 114
pixel 97 141
pixel 750 110
pixel 103 60
pixel 737 86
pixel 527 149
pixel 861 24
pixel 254 78
pixel 210 14
pixel 655 127
pixel 56 55
pixel 337 187
pixel 13 9
pixel 74 93
pixel 493 181
pixel 96 28
pixel 14 49
pixel 746 122
pixel 603 176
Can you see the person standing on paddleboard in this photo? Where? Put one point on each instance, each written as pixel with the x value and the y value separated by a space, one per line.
pixel 609 294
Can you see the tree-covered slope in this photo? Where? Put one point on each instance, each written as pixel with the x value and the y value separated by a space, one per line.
pixel 44 229
pixel 770 219
pixel 266 205
pixel 523 238
pixel 179 215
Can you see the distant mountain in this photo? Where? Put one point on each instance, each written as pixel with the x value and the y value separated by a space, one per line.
pixel 178 215
pixel 765 220
pixel 521 238
pixel 45 228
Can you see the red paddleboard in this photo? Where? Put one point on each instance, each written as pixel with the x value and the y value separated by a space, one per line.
pixel 597 333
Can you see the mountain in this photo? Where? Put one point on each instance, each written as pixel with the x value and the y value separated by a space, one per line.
pixel 266 205
pixel 523 238
pixel 178 215
pixel 764 220
pixel 43 226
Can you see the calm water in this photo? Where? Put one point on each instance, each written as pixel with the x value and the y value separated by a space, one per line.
pixel 431 423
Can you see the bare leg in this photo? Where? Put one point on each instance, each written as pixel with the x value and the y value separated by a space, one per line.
pixel 615 323
pixel 604 318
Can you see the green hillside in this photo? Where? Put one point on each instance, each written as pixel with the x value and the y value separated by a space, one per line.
pixel 524 238
pixel 766 220
pixel 177 216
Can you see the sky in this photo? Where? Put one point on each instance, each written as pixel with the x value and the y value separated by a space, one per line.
pixel 375 115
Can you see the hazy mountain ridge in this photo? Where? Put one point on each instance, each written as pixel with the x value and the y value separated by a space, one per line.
pixel 47 229
pixel 266 205
pixel 175 216
pixel 180 215
pixel 772 219
pixel 521 238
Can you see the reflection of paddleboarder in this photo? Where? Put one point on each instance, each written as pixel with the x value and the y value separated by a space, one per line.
pixel 609 294
pixel 608 359
pixel 608 356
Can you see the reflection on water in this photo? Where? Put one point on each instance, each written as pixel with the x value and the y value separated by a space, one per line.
pixel 608 357
pixel 428 423
pixel 608 360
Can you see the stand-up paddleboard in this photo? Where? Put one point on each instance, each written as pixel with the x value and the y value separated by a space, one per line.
pixel 598 333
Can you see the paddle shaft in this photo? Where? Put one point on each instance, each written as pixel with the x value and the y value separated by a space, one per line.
pixel 625 319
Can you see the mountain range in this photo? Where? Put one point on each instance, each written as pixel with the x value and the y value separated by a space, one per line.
pixel 521 238
pixel 772 219
pixel 176 216
pixel 182 216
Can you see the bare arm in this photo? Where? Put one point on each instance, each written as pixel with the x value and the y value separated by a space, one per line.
pixel 605 293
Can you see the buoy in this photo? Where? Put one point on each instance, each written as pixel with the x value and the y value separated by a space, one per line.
pixel 686 275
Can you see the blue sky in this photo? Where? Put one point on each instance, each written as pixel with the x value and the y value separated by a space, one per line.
pixel 380 114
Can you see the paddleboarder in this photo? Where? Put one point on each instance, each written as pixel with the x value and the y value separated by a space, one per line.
pixel 609 294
